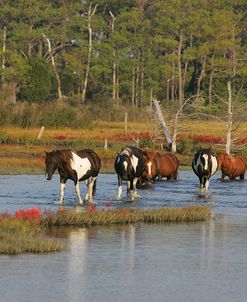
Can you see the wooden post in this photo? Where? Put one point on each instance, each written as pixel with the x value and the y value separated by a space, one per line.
pixel 41 131
pixel 106 145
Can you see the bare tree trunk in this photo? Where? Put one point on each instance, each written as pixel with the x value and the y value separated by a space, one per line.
pixel 175 125
pixel 53 63
pixel 210 87
pixel 4 50
pixel 117 83
pixel 163 123
pixel 40 49
pixel 90 14
pixel 142 79
pixel 180 77
pixel 229 122
pixel 186 66
pixel 202 73
pixel 133 86
pixel 168 89
pixel 114 82
pixel 30 45
pixel 173 80
pixel 137 85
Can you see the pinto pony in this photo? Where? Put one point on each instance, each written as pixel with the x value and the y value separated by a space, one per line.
pixel 231 165
pixel 204 165
pixel 150 172
pixel 167 165
pixel 129 166
pixel 78 166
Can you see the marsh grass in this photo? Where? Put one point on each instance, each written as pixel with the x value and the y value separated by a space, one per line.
pixel 19 236
pixel 92 217
pixel 25 231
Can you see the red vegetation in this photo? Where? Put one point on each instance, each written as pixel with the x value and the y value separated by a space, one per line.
pixel 241 140
pixel 64 136
pixel 208 139
pixel 28 214
pixel 91 208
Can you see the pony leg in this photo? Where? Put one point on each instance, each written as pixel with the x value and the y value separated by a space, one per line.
pixel 206 184
pixel 62 189
pixel 134 187
pixel 89 194
pixel 120 189
pixel 77 189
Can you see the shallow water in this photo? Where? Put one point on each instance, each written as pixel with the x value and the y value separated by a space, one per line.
pixel 25 191
pixel 172 262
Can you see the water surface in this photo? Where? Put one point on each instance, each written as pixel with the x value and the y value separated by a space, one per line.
pixel 171 262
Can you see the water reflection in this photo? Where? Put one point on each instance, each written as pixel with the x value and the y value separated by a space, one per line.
pixel 171 262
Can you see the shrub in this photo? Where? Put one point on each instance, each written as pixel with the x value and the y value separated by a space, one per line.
pixel 38 82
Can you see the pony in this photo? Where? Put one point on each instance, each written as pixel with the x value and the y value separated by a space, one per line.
pixel 129 166
pixel 78 166
pixel 204 165
pixel 150 172
pixel 231 165
pixel 168 165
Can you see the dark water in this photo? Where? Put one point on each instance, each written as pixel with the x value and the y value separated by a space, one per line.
pixel 174 262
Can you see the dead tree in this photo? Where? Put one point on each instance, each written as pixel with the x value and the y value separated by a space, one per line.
pixel 162 123
pixel 4 50
pixel 114 72
pixel 229 121
pixel 54 68
pixel 90 13
pixel 175 124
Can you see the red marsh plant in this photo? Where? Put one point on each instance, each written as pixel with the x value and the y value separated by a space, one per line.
pixel 30 215
pixel 208 139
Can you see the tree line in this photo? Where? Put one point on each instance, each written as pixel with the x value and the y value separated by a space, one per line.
pixel 123 52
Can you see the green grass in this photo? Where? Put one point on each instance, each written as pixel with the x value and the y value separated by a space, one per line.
pixel 91 217
pixel 25 231
pixel 17 237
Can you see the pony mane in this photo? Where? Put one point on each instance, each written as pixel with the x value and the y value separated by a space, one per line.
pixel 62 155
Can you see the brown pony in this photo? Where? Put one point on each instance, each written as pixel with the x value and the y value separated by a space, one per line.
pixel 231 165
pixel 167 165
pixel 150 172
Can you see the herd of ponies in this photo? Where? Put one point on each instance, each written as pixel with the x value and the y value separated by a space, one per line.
pixel 138 167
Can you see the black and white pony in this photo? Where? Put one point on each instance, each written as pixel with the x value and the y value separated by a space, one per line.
pixel 129 166
pixel 204 165
pixel 78 166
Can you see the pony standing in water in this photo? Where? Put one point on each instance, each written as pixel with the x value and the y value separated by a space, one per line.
pixel 129 166
pixel 232 166
pixel 204 165
pixel 74 165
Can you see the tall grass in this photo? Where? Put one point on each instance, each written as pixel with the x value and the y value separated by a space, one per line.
pixel 126 216
pixel 19 236
pixel 24 232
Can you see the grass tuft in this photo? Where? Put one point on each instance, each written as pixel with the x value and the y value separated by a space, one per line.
pixel 127 216
pixel 18 236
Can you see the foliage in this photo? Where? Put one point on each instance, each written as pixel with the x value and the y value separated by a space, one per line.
pixel 38 82
pixel 151 45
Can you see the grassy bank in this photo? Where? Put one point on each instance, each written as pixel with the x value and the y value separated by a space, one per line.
pixel 91 217
pixel 22 152
pixel 25 231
